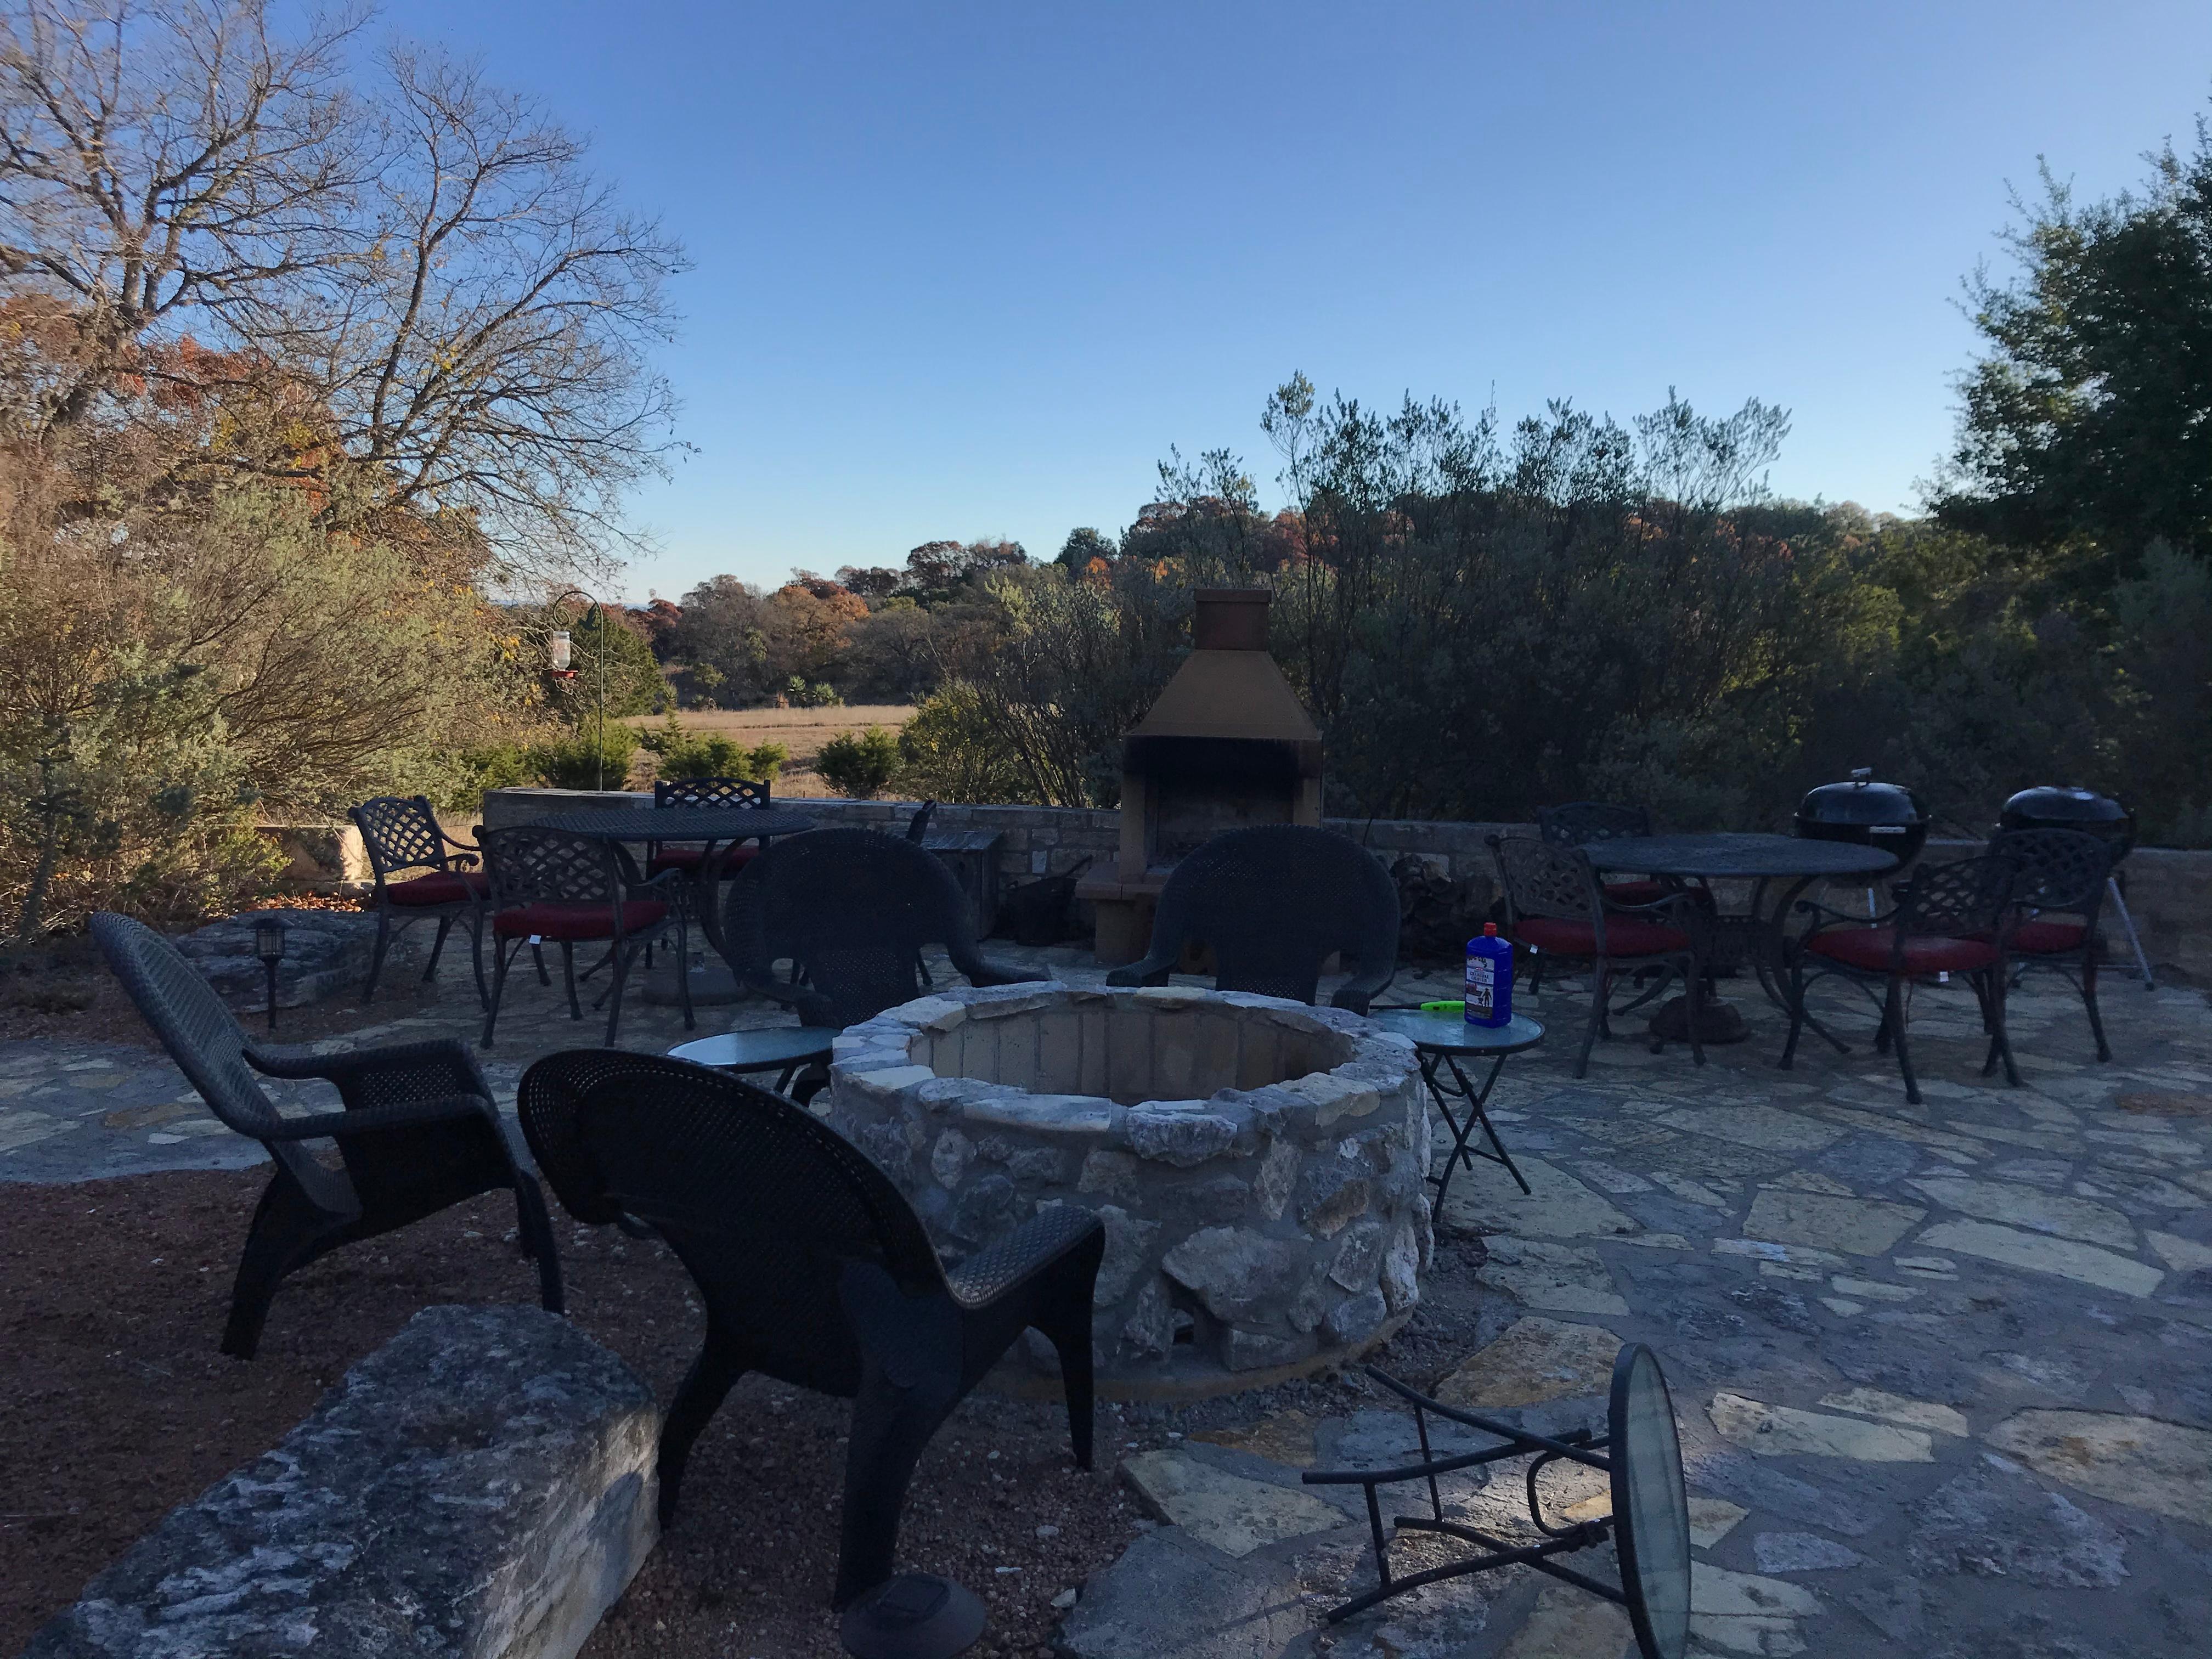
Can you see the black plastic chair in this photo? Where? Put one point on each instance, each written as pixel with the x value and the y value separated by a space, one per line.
pixel 418 1132
pixel 813 1268
pixel 1555 906
pixel 1953 918
pixel 2064 872
pixel 402 833
pixel 852 910
pixel 1275 902
pixel 549 884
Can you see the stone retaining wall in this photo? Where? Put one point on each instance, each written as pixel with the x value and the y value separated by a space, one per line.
pixel 2169 892
pixel 1269 1212
pixel 480 1487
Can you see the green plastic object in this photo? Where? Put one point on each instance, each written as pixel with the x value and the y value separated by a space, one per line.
pixel 1444 1007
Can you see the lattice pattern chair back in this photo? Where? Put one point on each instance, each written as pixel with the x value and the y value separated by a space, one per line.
pixel 400 833
pixel 205 1040
pixel 529 866
pixel 853 909
pixel 1966 898
pixel 1580 821
pixel 764 1203
pixel 711 792
pixel 1275 902
pixel 2060 869
pixel 1542 879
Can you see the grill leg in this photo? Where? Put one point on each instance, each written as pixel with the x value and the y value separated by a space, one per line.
pixel 2127 921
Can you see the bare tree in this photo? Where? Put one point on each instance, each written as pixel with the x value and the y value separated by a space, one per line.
pixel 428 262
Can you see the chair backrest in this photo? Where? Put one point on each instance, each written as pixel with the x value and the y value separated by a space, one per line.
pixel 917 827
pixel 853 908
pixel 1580 821
pixel 1274 902
pixel 399 832
pixel 531 866
pixel 202 1037
pixel 711 792
pixel 1966 896
pixel 764 1203
pixel 1541 879
pixel 2060 869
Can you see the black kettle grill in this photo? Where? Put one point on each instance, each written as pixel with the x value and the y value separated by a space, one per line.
pixel 2058 806
pixel 1870 814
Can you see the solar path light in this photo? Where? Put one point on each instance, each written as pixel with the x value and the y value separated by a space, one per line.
pixel 268 945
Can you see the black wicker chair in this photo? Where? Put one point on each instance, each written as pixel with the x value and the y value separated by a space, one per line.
pixel 402 833
pixel 1953 918
pixel 852 910
pixel 2063 874
pixel 418 1132
pixel 1556 906
pixel 1275 902
pixel 813 1268
pixel 548 885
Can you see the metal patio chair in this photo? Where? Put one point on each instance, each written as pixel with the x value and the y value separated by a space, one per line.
pixel 738 794
pixel 571 889
pixel 1275 902
pixel 418 1131
pixel 402 833
pixel 1556 906
pixel 2064 875
pixel 813 1268
pixel 1955 918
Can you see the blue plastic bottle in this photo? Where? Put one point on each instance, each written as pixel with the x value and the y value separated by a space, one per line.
pixel 1489 979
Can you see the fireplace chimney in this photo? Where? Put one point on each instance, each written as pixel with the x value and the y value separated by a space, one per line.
pixel 1227 744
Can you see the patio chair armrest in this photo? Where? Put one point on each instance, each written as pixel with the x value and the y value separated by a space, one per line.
pixel 1152 969
pixel 1357 992
pixel 367 1079
pixel 371 1120
pixel 1012 1258
pixel 982 971
pixel 1826 917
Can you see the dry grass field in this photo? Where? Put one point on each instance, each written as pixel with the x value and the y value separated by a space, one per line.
pixel 803 731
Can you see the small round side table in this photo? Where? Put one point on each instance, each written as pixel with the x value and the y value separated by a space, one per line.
pixel 1441 1040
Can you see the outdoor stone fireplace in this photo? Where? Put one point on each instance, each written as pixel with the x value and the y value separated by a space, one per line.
pixel 1258 1163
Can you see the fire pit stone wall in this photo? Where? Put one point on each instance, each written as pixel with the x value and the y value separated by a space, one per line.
pixel 1258 1163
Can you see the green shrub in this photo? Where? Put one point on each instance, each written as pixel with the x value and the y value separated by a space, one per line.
pixel 950 752
pixel 764 762
pixel 820 694
pixel 859 763
pixel 681 754
pixel 577 761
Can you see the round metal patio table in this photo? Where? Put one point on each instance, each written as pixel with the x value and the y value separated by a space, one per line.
pixel 1441 1040
pixel 1783 864
pixel 781 1048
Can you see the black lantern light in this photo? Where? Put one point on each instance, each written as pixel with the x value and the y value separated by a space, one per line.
pixel 1648 1527
pixel 268 945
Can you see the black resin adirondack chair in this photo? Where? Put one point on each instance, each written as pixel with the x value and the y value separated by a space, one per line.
pixel 418 1132
pixel 852 910
pixel 813 1267
pixel 1275 902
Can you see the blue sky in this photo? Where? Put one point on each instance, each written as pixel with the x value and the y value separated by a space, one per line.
pixel 966 270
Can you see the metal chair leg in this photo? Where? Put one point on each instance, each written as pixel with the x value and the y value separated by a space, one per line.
pixel 376 961
pixel 438 947
pixel 1893 1021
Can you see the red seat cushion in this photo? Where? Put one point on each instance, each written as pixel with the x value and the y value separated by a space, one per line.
pixel 2048 938
pixel 689 858
pixel 1625 936
pixel 446 888
pixel 1869 948
pixel 575 921
pixel 1636 892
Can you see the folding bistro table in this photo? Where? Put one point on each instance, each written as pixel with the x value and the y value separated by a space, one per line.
pixel 1441 1040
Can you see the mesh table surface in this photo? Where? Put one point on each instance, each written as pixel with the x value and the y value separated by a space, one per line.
pixel 677 823
pixel 1450 1034
pixel 759 1051
pixel 1724 855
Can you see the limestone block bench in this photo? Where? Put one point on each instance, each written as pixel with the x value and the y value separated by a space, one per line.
pixel 481 1487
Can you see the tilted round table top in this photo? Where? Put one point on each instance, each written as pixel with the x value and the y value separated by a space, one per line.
pixel 1450 1034
pixel 759 1051
pixel 676 822
pixel 1730 854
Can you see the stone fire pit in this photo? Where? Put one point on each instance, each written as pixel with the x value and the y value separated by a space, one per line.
pixel 1258 1163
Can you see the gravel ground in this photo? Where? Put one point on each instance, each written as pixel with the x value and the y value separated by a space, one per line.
pixel 114 1407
